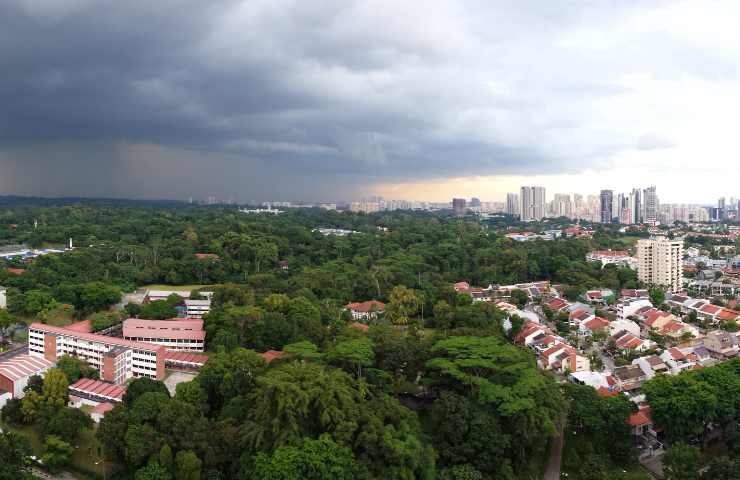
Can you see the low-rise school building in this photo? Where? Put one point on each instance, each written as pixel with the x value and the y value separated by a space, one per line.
pixel 117 359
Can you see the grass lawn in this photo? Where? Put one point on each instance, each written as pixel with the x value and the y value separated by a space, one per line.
pixel 628 241
pixel 85 454
pixel 581 444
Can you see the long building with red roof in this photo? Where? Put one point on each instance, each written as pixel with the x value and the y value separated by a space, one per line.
pixel 179 335
pixel 15 372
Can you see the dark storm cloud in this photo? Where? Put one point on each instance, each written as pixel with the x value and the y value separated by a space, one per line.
pixel 295 94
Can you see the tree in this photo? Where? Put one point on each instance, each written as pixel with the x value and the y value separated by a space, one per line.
pixel 140 386
pixel 519 297
pixel 67 423
pixel 443 315
pixel 153 471
pixel 14 455
pixel 304 350
pixel 75 368
pixel 31 407
pixel 166 460
pixel 187 465
pixel 54 390
pixel 12 413
pixel 403 305
pixel 158 310
pixel 103 320
pixel 311 460
pixel 355 353
pixel 657 296
pixel 57 453
pixel 681 462
pixel 35 383
pixel 682 405
pixel 722 468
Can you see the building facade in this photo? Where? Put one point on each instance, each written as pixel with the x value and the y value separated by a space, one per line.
pixel 458 207
pixel 116 359
pixel 660 262
pixel 606 206
pixel 179 335
pixel 532 204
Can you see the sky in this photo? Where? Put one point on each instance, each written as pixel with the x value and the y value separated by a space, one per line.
pixel 341 99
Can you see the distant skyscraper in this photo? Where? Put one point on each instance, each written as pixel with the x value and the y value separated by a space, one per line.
pixel 607 205
pixel 650 205
pixel 635 206
pixel 474 203
pixel 562 206
pixel 458 207
pixel 512 204
pixel 532 203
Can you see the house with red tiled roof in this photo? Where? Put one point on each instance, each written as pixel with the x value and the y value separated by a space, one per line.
pixel 16 271
pixel 577 317
pixel 627 293
pixel 368 310
pixel 556 304
pixel 626 341
pixel 596 324
pixel 599 297
pixel 562 357
pixel 530 331
pixel 363 327
pixel 640 421
pixel 272 355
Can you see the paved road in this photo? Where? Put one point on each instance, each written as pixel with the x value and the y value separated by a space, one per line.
pixel 552 467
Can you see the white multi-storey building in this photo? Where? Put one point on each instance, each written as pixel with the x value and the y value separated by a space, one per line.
pixel 117 359
pixel 3 297
pixel 532 204
pixel 197 308
pixel 660 262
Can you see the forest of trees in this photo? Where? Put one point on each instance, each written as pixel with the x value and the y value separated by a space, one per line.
pixel 436 389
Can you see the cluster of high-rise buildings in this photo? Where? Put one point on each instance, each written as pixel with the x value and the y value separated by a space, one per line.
pixel 639 206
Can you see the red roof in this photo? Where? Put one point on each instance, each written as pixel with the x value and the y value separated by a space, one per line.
pixel 101 408
pixel 556 304
pixel 21 366
pixel 605 392
pixel 594 294
pixel 96 338
pixel 676 353
pixel 98 388
pixel 206 256
pixel 271 355
pixel 726 314
pixel 710 309
pixel 641 417
pixel 17 271
pixel 187 329
pixel 85 326
pixel 359 326
pixel 597 323
pixel 461 286
pixel 366 307
pixel 185 357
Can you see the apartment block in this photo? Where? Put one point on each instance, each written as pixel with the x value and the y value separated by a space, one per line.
pixel 660 262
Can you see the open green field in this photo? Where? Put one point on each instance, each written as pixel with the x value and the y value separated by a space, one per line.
pixel 84 456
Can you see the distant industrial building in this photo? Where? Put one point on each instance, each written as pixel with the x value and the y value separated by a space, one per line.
pixel 15 372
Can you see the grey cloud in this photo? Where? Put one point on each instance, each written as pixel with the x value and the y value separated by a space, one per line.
pixel 296 95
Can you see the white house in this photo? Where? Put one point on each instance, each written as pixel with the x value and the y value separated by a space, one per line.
pixel 628 307
pixel 624 325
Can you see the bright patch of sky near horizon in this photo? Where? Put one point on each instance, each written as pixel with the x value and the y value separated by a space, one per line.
pixel 335 100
